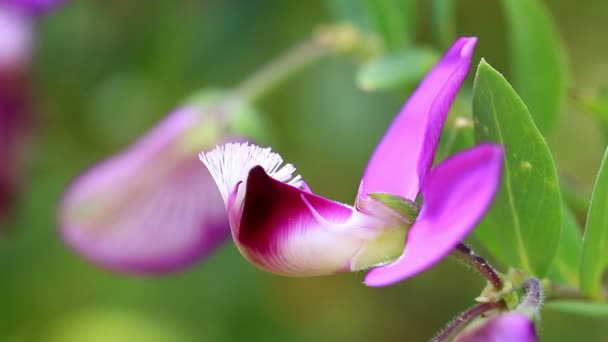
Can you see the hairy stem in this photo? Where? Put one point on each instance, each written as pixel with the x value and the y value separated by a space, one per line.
pixel 279 69
pixel 469 257
pixel 465 318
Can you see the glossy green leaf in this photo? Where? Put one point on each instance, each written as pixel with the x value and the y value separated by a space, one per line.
pixel 443 13
pixel 564 269
pixel 595 239
pixel 523 226
pixel 579 307
pixel 393 20
pixel 538 63
pixel 396 69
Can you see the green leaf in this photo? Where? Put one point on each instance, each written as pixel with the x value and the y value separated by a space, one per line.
pixel 595 239
pixel 442 19
pixel 396 69
pixel 538 61
pixel 523 226
pixel 595 104
pixel 579 307
pixel 352 11
pixel 564 269
pixel 393 20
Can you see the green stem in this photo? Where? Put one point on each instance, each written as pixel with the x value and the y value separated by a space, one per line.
pixel 557 291
pixel 263 81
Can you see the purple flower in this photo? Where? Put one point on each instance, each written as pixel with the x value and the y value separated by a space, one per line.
pixel 150 208
pixel 34 7
pixel 506 327
pixel 281 226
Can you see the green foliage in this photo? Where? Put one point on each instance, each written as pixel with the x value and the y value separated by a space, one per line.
pixel 523 226
pixel 595 239
pixel 579 308
pixel 565 267
pixel 403 67
pixel 442 18
pixel 538 63
pixel 394 21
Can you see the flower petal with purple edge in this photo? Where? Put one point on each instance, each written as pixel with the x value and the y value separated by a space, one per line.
pixel 455 195
pixel 281 231
pixel 149 209
pixel 279 225
pixel 405 154
pixel 507 327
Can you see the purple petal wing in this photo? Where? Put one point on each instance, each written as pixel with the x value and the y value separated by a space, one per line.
pixel 406 152
pixel 152 208
pixel 290 231
pixel 502 328
pixel 456 194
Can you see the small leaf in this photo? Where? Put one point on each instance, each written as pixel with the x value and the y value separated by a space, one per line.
pixel 523 226
pixel 393 20
pixel 396 69
pixel 442 18
pixel 595 239
pixel 539 68
pixel 579 307
pixel 564 269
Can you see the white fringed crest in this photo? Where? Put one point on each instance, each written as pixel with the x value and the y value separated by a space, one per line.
pixel 230 164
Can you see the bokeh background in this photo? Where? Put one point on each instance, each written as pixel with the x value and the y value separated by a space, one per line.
pixel 106 71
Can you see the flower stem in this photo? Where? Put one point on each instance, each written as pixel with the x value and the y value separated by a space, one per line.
pixel 261 82
pixel 464 318
pixel 469 257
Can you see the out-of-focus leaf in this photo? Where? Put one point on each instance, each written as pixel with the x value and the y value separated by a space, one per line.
pixel 575 198
pixel 579 307
pixel 523 226
pixel 595 104
pixel 396 69
pixel 393 20
pixel 350 10
pixel 595 240
pixel 538 61
pixel 564 269
pixel 458 133
pixel 442 17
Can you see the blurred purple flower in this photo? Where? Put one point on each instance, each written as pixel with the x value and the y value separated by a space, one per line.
pixel 150 208
pixel 34 7
pixel 16 40
pixel 281 226
pixel 506 327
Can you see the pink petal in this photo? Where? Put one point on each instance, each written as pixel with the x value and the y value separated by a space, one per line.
pixel 405 154
pixel 290 231
pixel 502 328
pixel 456 194
pixel 151 208
pixel 16 32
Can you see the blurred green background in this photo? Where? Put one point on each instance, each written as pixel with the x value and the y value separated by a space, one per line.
pixel 106 71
